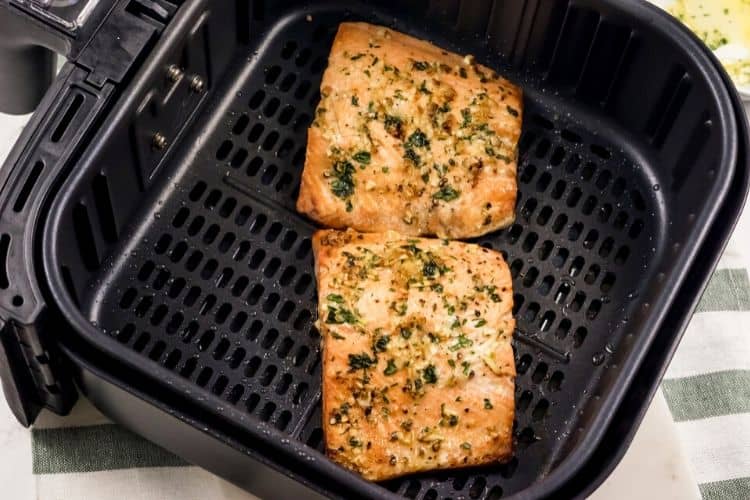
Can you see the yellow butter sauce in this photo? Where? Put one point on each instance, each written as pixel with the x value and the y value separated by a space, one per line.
pixel 724 25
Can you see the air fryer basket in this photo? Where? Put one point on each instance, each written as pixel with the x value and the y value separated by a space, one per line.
pixel 175 248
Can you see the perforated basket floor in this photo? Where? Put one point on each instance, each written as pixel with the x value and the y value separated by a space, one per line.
pixel 218 286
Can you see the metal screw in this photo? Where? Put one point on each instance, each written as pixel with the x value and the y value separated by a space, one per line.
pixel 174 73
pixel 159 142
pixel 197 84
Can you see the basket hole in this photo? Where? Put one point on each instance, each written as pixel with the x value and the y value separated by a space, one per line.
pixel 574 197
pixel 180 217
pixel 267 412
pixel 141 342
pixel 301 355
pixel 592 274
pixel 573 163
pixel 302 89
pixel 209 268
pixel 126 333
pixel 219 385
pixel 237 357
pixel 526 437
pixel 316 437
pixel 299 393
pixel 146 270
pixel 284 382
pixel 224 277
pixel 240 285
pixel 192 263
pixel 302 284
pixel 288 50
pixel 176 287
pixel 241 124
pixel 271 107
pixel 189 332
pixel 495 493
pixel 192 296
pixel 524 401
pixel 559 223
pixel 621 219
pixel 622 255
pixel 257 99
pixel 227 207
pixel 544 215
pixel 287 276
pixel 270 303
pixel 303 57
pixel 577 301
pixel 570 136
pixel 518 301
pixel 196 225
pixel 189 367
pixel 514 233
pixel 527 139
pixel 283 420
pixel 575 231
pixel 242 250
pixel 546 285
pixel 205 340
pixel 606 248
pixel 252 366
pixel 302 320
pixel 223 313
pixel 563 328
pixel 531 275
pixel 258 223
pixel 270 141
pixel 528 208
pixel 255 134
pixel 268 375
pixel 287 83
pixel 587 172
pixel 302 122
pixel 588 206
pixel 540 410
pixel 162 244
pixel 286 114
pixel 252 402
pixel 557 156
pixel 272 74
pixel 601 151
pixel 604 177
pixel 226 242
pixel 576 266
pixel 286 311
pixel 269 338
pixel 579 336
pixel 284 347
pixel 635 229
pixel 235 394
pixel 539 373
pixel 257 258
pixel 170 362
pixel 254 330
pixel 412 489
pixel 543 182
pixel 562 293
pixel 515 268
pixel 272 267
pixel 555 381
pixel 558 189
pixel 529 242
pixel 590 240
pixel 607 283
pixel 545 250
pixel 174 323
pixel 255 294
pixel 546 322
pixel 637 200
pixel 238 322
pixel 159 314
pixel 560 258
pixel 143 306
pixel 542 121
pixel 223 152
pixel 594 308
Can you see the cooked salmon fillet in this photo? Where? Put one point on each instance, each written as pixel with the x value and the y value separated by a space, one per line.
pixel 411 138
pixel 418 368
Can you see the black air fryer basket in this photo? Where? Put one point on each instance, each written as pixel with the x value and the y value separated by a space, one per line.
pixel 152 256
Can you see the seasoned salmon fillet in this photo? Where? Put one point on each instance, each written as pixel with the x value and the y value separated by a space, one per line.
pixel 411 138
pixel 418 368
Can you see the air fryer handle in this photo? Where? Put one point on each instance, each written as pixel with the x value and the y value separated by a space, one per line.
pixel 30 37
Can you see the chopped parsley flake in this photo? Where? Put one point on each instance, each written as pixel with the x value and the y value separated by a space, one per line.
pixel 334 297
pixel 429 375
pixel 446 193
pixel 463 73
pixel 340 315
pixel 357 56
pixel 480 322
pixel 412 156
pixel 390 369
pixel 355 100
pixel 343 182
pixel 360 361
pixel 418 140
pixel 466 115
pixel 511 111
pixel 394 126
pixel 381 344
pixel 405 332
pixel 354 442
pixel 337 336
pixel 362 157
pixel 487 404
pixel 421 65
pixel 461 342
pixel 466 446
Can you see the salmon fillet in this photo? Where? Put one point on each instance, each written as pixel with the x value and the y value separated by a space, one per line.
pixel 411 138
pixel 418 368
